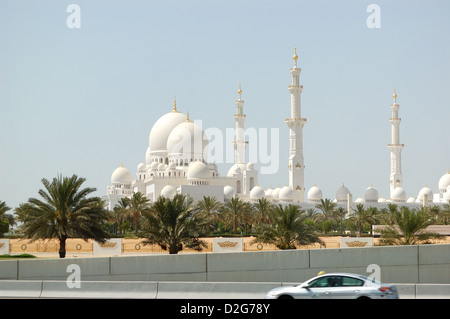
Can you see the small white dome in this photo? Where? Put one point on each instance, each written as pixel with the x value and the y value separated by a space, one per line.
pixel 121 176
pixel 425 191
pixel 141 167
pixel 154 166
pixel 168 191
pixel 371 194
pixel 276 193
pixel 341 194
pixel 250 166
pixel 315 194
pixel 411 200
pixel 286 194
pixel 359 200
pixel 269 192
pixel 382 200
pixel 399 194
pixel 444 182
pixel 197 170
pixel 257 192
pixel 228 192
pixel 236 169
pixel 161 166
pixel 172 165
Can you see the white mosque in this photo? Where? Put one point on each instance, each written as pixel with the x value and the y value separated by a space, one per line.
pixel 176 163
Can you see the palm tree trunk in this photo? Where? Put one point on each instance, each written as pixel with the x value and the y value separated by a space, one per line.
pixel 136 215
pixel 62 247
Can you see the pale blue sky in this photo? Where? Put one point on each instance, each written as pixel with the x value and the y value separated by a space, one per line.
pixel 84 100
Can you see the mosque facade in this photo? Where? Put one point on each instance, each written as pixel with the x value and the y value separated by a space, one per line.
pixel 176 162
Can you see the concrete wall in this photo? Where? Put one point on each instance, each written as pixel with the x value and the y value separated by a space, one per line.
pixel 177 290
pixel 425 264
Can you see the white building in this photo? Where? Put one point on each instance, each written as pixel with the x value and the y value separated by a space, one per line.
pixel 176 163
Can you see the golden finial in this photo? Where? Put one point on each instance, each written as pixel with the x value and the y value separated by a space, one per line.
pixel 295 57
pixel 239 90
pixel 121 164
pixel 395 95
pixel 175 104
pixel 187 117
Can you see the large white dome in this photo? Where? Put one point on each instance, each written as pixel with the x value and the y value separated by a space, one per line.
pixel 168 191
pixel 121 176
pixel 161 131
pixel 187 141
pixel 315 194
pixel 257 192
pixel 228 192
pixel 197 170
pixel 286 194
pixel 444 181
pixel 399 194
pixel 371 194
pixel 425 191
pixel 341 194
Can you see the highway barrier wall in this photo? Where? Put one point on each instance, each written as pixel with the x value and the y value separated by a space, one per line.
pixel 423 264
pixel 177 290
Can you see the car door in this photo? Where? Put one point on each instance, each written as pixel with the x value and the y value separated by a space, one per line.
pixel 347 287
pixel 321 288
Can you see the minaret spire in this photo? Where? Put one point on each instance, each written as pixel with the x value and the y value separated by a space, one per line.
pixel 396 178
pixel 240 144
pixel 295 124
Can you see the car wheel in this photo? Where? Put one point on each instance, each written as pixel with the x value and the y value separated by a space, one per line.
pixel 285 297
pixel 363 297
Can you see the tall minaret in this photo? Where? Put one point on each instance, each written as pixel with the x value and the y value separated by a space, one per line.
pixel 240 144
pixel 395 147
pixel 296 123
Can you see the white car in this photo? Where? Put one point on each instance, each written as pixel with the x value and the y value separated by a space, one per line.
pixel 336 286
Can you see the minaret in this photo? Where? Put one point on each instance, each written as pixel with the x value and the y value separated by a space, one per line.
pixel 239 143
pixel 395 147
pixel 295 124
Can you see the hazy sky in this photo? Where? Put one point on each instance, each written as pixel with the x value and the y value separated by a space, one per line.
pixel 83 100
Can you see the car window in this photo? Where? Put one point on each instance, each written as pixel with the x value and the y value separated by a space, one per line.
pixel 350 281
pixel 327 281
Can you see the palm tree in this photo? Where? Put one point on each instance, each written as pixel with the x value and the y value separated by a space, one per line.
pixel 233 212
pixel 65 212
pixel 247 216
pixel 5 219
pixel 387 214
pixel 263 210
pixel 209 208
pixel 172 223
pixel 339 213
pixel 327 207
pixel 3 209
pixel 288 229
pixel 120 213
pixel 409 228
pixel 363 216
pixel 444 215
pixel 137 204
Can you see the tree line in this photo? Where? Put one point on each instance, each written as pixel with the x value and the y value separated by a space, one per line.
pixel 66 210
